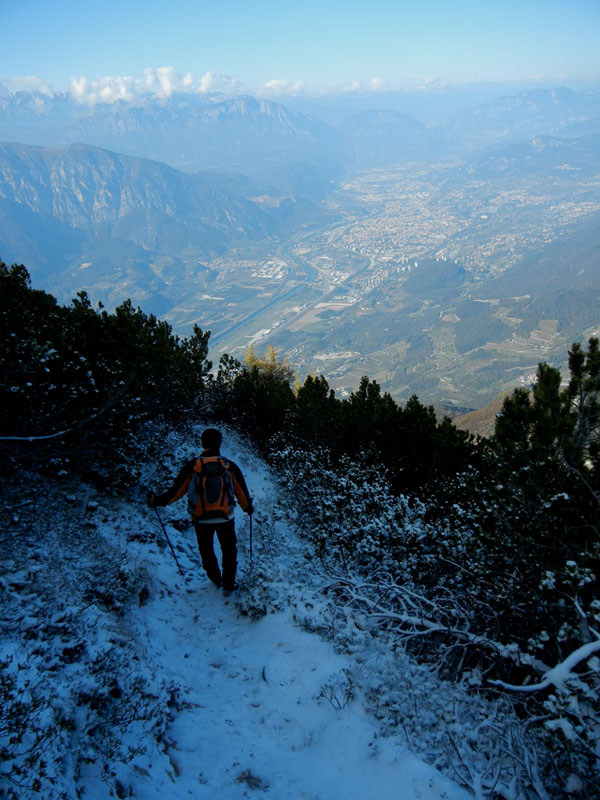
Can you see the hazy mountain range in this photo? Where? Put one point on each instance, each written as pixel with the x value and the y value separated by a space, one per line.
pixel 178 203
pixel 208 132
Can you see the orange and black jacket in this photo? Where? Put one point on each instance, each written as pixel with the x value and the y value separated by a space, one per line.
pixel 181 482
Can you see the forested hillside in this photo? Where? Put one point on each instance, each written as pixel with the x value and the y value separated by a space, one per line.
pixel 479 557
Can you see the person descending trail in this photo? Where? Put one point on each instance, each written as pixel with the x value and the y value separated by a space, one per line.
pixel 212 483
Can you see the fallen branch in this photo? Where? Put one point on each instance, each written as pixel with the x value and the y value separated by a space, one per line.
pixel 558 674
pixel 110 403
pixel 408 625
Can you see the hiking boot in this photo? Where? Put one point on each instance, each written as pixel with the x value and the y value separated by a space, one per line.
pixel 227 590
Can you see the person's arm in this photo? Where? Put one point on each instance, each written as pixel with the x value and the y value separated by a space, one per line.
pixel 177 490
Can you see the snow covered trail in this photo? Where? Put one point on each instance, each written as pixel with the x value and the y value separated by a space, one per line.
pixel 122 679
pixel 267 707
pixel 254 720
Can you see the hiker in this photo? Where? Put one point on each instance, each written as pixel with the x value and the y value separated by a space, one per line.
pixel 211 482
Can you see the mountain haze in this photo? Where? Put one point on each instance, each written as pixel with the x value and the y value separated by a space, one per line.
pixel 383 137
pixel 193 133
pixel 210 131
pixel 443 255
pixel 523 116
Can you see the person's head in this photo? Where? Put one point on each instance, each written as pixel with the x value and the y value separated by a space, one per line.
pixel 211 439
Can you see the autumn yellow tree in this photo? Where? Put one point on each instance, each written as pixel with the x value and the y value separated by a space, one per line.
pixel 269 363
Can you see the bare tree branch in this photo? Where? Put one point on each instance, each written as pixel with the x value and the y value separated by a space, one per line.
pixel 110 402
pixel 558 674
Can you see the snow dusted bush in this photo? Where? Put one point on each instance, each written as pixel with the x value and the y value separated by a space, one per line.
pixel 348 506
pixel 78 382
pixel 75 700
pixel 531 556
pixel 442 587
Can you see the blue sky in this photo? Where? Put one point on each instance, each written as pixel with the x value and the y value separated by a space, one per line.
pixel 318 44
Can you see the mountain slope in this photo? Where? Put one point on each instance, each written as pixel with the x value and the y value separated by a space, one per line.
pixel 86 186
pixel 54 200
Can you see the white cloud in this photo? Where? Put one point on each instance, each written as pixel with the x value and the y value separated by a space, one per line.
pixel 217 82
pixel 377 84
pixel 429 82
pixel 105 90
pixel 161 83
pixel 168 80
pixel 28 83
pixel 79 89
pixel 374 85
pixel 165 81
pixel 279 88
pixel 149 79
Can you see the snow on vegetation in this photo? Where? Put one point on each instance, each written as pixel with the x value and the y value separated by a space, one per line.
pixel 121 678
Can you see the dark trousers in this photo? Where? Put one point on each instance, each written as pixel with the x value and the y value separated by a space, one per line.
pixel 227 539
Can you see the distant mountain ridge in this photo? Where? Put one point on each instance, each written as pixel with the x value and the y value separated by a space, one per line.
pixel 254 135
pixel 523 116
pixel 241 134
pixel 542 154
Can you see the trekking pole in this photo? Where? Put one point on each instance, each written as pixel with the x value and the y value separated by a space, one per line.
pixel 250 540
pixel 162 525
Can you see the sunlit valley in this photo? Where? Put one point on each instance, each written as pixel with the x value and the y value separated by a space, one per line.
pixel 443 257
